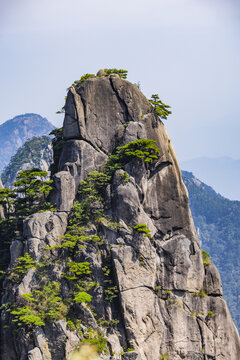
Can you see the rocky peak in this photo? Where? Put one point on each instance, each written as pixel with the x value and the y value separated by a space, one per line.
pixel 14 133
pixel 153 296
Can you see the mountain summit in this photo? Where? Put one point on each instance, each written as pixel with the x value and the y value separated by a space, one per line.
pixel 14 133
pixel 118 264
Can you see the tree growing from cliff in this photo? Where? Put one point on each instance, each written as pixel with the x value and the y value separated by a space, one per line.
pixel 32 188
pixel 7 197
pixel 122 73
pixel 159 107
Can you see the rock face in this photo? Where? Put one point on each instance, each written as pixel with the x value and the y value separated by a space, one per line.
pixel 165 303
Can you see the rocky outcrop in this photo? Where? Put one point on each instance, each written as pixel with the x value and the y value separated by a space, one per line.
pixel 152 294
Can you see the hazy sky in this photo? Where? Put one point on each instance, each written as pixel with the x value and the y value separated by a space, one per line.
pixel 188 51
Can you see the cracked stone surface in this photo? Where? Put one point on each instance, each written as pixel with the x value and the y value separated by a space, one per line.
pixel 161 308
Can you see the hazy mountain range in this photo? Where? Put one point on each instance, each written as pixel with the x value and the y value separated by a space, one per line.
pixel 14 133
pixel 221 173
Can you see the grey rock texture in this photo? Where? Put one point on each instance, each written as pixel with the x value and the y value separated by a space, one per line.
pixel 166 305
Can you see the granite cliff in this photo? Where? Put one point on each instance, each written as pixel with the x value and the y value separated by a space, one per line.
pixel 129 275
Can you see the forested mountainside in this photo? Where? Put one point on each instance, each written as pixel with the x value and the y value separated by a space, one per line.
pixel 217 172
pixel 217 220
pixel 116 263
pixel 36 152
pixel 14 133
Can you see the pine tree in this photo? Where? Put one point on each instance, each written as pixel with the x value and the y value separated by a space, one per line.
pixel 160 108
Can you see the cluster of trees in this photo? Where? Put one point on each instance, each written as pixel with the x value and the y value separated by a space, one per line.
pixel 217 221
pixel 33 152
pixel 28 196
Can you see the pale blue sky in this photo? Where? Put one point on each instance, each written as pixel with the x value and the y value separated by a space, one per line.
pixel 188 51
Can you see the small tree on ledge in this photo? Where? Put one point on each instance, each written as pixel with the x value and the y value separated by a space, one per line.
pixel 160 108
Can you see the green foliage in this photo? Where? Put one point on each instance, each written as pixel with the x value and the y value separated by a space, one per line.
pixel 82 296
pixel 32 188
pixel 74 239
pixel 7 197
pixel 113 225
pixel 202 293
pixel 78 83
pixel 142 228
pixel 24 315
pixel 124 177
pixel 112 322
pixel 18 271
pixel 145 149
pixel 205 258
pixel 122 73
pixel 164 357
pixel 140 258
pixel 43 305
pixel 168 291
pixel 33 151
pixel 91 198
pixel 210 314
pixel 71 326
pixel 217 220
pixel 159 107
pixel 57 132
pixel 111 290
pixel 95 338
pixel 77 270
pixel 111 293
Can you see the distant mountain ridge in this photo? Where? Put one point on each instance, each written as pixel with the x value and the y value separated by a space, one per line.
pixel 217 221
pixel 36 152
pixel 14 133
pixel 222 173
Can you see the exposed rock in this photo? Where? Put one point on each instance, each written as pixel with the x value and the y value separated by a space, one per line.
pixel 35 354
pixel 42 343
pixel 148 293
pixel 16 250
pixel 132 355
pixel 212 281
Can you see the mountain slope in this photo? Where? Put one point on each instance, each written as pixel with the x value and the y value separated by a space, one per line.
pixel 36 152
pixel 221 173
pixel 217 221
pixel 14 133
